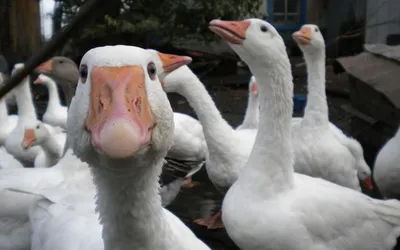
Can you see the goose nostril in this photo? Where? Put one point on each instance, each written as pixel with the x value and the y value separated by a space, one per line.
pixel 138 104
pixel 100 108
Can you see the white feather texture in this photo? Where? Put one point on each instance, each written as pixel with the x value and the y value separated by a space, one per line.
pixel 269 203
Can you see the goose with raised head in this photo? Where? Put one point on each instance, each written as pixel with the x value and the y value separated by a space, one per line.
pixel 64 71
pixel 8 122
pixel 270 203
pixel 189 143
pixel 26 117
pixel 387 168
pixel 55 114
pixel 318 150
pixel 120 122
pixel 228 149
pixel 50 141
pixel 251 116
pixel 187 154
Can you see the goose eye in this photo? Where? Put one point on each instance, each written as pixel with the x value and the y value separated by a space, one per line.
pixel 83 73
pixel 264 28
pixel 316 29
pixel 151 70
pixel 37 126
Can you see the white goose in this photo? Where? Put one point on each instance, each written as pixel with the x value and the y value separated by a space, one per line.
pixel 270 206
pixel 319 152
pixel 228 149
pixel 387 168
pixel 51 141
pixel 124 148
pixel 8 122
pixel 26 117
pixel 69 175
pixel 55 114
pixel 251 117
pixel 187 154
pixel 189 143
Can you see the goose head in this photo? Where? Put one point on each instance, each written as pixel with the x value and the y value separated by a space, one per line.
pixel 249 37
pixel 64 71
pixel 363 170
pixel 309 38
pixel 34 135
pixel 60 67
pixel 41 79
pixel 364 174
pixel 167 63
pixel 119 110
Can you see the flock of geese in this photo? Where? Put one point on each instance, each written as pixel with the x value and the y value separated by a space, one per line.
pixel 289 183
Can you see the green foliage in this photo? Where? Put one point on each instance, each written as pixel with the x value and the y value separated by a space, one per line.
pixel 143 22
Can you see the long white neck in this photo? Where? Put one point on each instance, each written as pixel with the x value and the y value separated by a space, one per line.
pixel 3 109
pixel 54 99
pixel 23 95
pixel 217 132
pixel 316 111
pixel 129 203
pixel 251 117
pixel 270 164
pixel 51 147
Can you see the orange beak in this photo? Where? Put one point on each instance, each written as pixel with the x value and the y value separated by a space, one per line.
pixel 171 62
pixel 29 139
pixel 37 81
pixel 367 182
pixel 120 120
pixel 303 36
pixel 231 31
pixel 45 67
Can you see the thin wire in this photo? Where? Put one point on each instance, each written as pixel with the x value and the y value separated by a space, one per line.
pixel 85 12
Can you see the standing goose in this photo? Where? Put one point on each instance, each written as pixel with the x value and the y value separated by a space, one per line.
pixel 186 156
pixel 120 122
pixel 270 206
pixel 67 177
pixel 251 117
pixel 55 114
pixel 228 149
pixel 189 149
pixel 26 117
pixel 387 168
pixel 65 72
pixel 319 152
